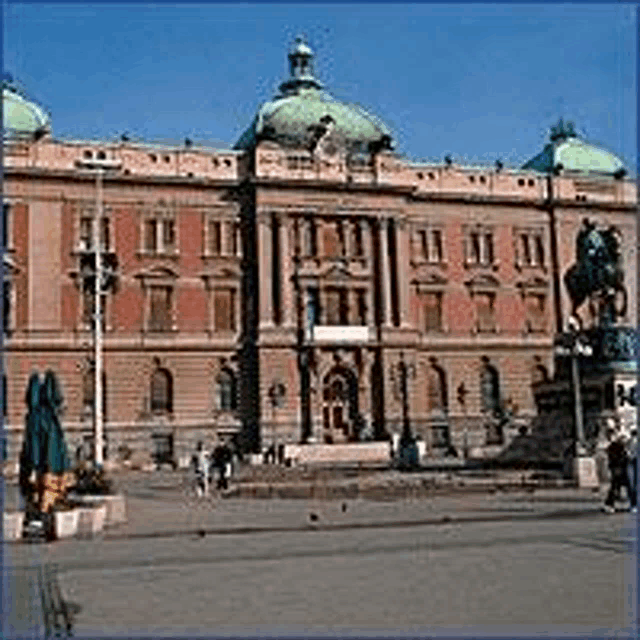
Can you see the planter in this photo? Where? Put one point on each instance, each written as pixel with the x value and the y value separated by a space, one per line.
pixel 91 520
pixel 116 508
pixel 65 523
pixel 12 524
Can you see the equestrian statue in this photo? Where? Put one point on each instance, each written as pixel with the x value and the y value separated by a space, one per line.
pixel 597 276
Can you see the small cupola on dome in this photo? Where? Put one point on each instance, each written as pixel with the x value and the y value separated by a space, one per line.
pixel 302 107
pixel 569 153
pixel 22 117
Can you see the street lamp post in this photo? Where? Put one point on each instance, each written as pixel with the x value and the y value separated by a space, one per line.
pixel 99 167
pixel 407 441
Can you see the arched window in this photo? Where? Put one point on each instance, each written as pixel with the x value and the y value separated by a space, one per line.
pixel 437 389
pixel 161 391
pixel 227 391
pixel 490 389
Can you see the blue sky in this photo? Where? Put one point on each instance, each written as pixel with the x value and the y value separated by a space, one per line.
pixel 475 81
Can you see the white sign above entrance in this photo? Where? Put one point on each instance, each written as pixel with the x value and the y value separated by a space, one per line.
pixel 340 333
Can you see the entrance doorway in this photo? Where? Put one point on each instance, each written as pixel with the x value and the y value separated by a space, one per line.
pixel 339 407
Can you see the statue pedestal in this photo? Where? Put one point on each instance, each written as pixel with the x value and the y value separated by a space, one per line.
pixel 586 472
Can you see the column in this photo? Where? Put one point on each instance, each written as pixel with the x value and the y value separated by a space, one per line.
pixel 402 265
pixel 385 268
pixel 264 264
pixel 286 272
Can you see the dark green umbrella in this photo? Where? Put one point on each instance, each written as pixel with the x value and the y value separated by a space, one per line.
pixel 31 456
pixel 56 457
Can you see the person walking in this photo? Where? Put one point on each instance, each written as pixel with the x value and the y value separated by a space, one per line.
pixel 201 463
pixel 632 454
pixel 618 467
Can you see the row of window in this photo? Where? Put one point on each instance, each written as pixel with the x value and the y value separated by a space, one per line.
pixel 160 309
pixel 430 305
pixel 161 392
pixel 159 235
pixel 337 306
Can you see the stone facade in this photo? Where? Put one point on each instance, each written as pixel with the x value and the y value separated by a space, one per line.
pixel 223 256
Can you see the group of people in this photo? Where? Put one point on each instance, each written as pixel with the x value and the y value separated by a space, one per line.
pixel 205 464
pixel 622 455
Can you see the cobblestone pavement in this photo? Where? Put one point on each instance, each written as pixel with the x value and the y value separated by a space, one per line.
pixel 236 565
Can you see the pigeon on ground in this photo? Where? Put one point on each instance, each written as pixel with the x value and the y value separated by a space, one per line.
pixel 344 507
pixel 313 517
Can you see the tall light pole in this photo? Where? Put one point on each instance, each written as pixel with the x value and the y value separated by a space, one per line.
pixel 100 167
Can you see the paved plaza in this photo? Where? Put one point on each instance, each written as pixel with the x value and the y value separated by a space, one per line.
pixel 546 560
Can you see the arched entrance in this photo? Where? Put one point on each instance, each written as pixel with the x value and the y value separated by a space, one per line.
pixel 339 406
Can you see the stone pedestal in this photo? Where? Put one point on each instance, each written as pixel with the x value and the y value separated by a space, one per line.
pixel 585 472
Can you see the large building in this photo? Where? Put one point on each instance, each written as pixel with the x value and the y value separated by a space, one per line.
pixel 273 289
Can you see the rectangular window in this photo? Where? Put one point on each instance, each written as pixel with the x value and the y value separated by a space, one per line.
pixel 342 239
pixel 6 307
pixel 361 303
pixel 332 247
pixel 424 244
pixel 6 211
pixel 526 249
pixel 86 234
pixel 485 307
pixel 160 309
pixel 358 249
pixel 333 306
pixel 539 248
pixel 436 246
pixel 313 306
pixel 150 235
pixel 310 238
pixel 344 307
pixel 488 248
pixel 169 235
pixel 536 313
pixel 432 307
pixel 224 310
pixel 474 256
pixel 105 235
pixel 232 238
pixel 215 238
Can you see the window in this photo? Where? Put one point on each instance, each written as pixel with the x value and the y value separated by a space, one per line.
pixel 430 245
pixel 86 230
pixel 5 397
pixel 160 308
pixel 479 247
pixel 226 387
pixel 361 304
pixel 490 389
pixel 313 307
pixel 530 249
pixel 358 248
pixel 160 235
pixel 215 237
pixel 232 238
pixel 310 241
pixel 161 391
pixel 337 306
pixel 6 211
pixel 224 312
pixel 333 240
pixel 296 162
pixel 485 308
pixel 432 311
pixel 535 305
pixel 436 390
pixel 539 250
pixel 7 307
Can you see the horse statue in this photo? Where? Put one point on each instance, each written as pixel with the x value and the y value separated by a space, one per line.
pixel 597 275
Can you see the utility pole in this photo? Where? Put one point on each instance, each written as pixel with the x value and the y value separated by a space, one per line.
pixel 99 167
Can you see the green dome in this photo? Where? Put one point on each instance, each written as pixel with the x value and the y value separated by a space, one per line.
pixel 291 117
pixel 575 155
pixel 21 117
